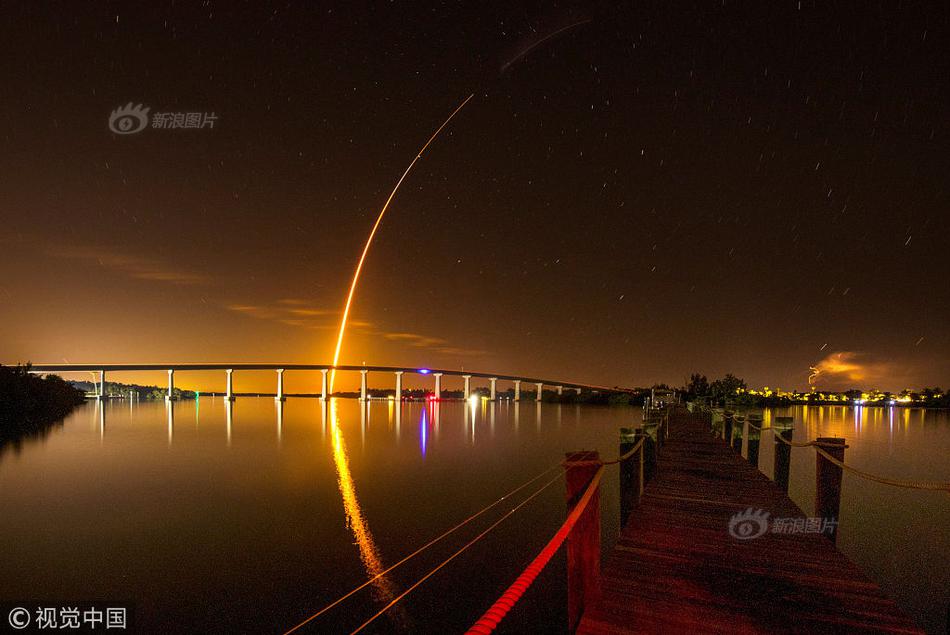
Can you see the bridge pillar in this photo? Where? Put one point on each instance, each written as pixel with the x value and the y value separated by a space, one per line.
pixel 398 386
pixel 492 382
pixel 280 385
pixel 324 383
pixel 540 388
pixel 363 385
pixel 438 386
pixel 230 384
pixel 467 391
pixel 560 390
pixel 102 385
pixel 517 390
pixel 171 385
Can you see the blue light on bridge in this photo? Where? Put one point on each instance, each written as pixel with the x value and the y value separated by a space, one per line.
pixel 424 371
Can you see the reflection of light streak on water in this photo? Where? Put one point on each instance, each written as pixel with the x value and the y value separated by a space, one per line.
pixel 422 432
pixel 369 554
pixel 372 233
pixel 473 404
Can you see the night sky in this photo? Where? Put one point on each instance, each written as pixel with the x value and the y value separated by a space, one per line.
pixel 653 191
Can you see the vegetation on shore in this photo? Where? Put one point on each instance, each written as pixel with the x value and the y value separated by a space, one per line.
pixel 733 390
pixel 30 404
pixel 117 389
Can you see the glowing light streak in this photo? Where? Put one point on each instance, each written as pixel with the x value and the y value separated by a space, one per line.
pixel 372 233
pixel 365 542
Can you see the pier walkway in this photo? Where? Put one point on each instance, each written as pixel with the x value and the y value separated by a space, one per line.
pixel 677 568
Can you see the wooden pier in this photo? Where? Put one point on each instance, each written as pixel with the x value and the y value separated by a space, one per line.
pixel 676 568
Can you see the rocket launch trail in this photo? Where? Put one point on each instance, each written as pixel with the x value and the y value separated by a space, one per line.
pixel 372 234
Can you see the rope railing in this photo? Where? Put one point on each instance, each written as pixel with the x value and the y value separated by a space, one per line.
pixel 497 612
pixel 819 446
pixel 418 551
pixel 462 550
pixel 629 453
pixel 494 615
pixel 925 485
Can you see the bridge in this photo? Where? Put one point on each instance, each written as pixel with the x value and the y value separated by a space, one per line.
pixel 280 369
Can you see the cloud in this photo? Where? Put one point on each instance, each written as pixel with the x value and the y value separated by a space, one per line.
pixel 436 344
pixel 301 313
pixel 291 313
pixel 460 352
pixel 850 369
pixel 414 339
pixel 132 266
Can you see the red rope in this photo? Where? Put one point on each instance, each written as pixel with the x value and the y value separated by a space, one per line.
pixel 494 615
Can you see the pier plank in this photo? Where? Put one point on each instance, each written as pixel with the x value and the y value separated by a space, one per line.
pixel 676 568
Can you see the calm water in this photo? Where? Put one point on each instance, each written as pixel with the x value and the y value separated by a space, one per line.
pixel 253 521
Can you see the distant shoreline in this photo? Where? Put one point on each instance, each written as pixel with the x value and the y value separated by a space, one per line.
pixel 30 405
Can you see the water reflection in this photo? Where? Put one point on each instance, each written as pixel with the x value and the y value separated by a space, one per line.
pixel 324 405
pixel 101 409
pixel 423 432
pixel 170 414
pixel 229 416
pixel 410 490
pixel 369 553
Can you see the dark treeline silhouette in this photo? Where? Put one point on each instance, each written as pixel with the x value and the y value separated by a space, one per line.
pixel 30 404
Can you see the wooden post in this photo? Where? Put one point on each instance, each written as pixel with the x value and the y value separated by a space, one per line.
pixel 737 434
pixel 755 437
pixel 828 484
pixel 650 451
pixel 727 427
pixel 641 478
pixel 783 455
pixel 716 422
pixel 583 543
pixel 631 472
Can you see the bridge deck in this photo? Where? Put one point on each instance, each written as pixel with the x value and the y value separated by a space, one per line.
pixel 676 568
